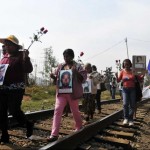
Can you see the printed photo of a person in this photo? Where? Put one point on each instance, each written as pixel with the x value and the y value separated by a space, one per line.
pixel 139 59
pixel 65 81
pixel 3 68
pixel 87 86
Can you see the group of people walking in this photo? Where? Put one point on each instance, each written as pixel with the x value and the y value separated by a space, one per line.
pixel 13 87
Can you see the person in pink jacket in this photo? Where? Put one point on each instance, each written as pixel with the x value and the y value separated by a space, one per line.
pixel 79 76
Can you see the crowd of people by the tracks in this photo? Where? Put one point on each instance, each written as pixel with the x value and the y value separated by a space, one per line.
pixel 73 81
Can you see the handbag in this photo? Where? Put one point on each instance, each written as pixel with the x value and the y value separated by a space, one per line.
pixel 138 90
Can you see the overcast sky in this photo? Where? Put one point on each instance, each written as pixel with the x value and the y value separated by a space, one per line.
pixel 96 27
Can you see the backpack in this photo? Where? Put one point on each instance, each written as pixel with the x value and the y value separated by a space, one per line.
pixel 138 90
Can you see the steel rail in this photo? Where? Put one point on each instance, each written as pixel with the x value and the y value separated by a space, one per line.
pixel 37 115
pixel 73 140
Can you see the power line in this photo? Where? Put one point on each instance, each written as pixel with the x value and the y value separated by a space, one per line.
pixel 138 40
pixel 106 49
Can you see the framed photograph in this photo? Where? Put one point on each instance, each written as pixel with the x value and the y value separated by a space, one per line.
pixel 87 86
pixel 65 81
pixel 139 64
pixel 3 68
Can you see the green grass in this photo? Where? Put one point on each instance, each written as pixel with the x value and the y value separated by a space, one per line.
pixel 40 92
pixel 106 95
pixel 32 105
pixel 39 98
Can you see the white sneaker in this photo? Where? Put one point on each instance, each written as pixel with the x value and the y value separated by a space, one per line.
pixel 125 121
pixel 131 123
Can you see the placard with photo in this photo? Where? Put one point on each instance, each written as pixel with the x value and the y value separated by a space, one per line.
pixel 65 81
pixel 3 68
pixel 139 64
pixel 87 86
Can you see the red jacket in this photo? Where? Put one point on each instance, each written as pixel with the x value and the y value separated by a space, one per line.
pixel 16 69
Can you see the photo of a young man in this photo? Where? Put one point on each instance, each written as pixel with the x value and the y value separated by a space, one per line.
pixel 65 81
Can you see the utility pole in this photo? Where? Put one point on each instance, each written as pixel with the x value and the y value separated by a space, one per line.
pixel 127 48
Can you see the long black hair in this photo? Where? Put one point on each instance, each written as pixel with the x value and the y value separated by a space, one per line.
pixel 128 61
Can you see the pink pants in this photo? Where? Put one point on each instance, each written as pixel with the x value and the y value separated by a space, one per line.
pixel 61 101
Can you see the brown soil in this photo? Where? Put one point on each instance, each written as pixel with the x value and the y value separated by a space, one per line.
pixel 145 134
pixel 143 137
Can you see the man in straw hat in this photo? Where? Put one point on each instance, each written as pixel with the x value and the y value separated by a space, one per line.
pixel 13 88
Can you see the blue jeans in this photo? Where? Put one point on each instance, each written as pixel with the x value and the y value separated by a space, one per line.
pixel 129 103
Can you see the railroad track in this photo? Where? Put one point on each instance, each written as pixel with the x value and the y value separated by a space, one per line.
pixel 68 139
pixel 108 130
pixel 40 115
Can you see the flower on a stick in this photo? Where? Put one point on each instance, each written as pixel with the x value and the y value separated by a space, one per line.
pixel 79 57
pixel 36 37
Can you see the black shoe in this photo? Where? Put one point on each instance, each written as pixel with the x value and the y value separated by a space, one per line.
pixel 30 126
pixel 4 138
pixel 52 138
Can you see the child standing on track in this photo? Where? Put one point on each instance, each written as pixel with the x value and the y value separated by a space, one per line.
pixel 98 93
pixel 89 98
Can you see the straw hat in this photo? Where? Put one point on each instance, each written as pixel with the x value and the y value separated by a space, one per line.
pixel 11 38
